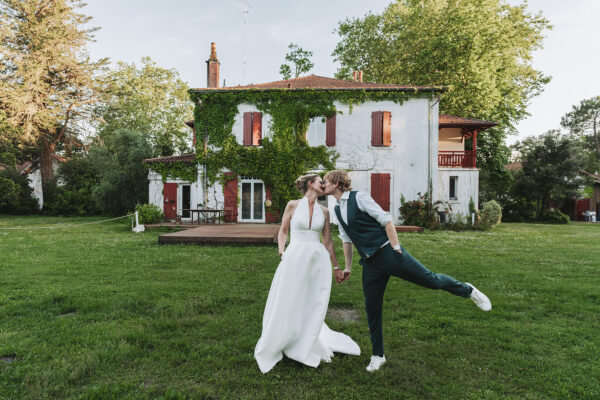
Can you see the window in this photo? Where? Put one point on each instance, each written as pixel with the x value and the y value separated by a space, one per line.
pixel 381 128
pixel 453 187
pixel 252 128
pixel 330 131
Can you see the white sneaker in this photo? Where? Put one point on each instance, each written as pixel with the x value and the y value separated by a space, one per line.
pixel 480 299
pixel 376 363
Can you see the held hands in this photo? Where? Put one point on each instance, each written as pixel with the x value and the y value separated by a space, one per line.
pixel 341 276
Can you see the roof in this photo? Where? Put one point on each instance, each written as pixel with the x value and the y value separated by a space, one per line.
pixel 315 82
pixel 452 121
pixel 185 158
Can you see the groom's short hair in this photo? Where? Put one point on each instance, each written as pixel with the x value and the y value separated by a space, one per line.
pixel 340 177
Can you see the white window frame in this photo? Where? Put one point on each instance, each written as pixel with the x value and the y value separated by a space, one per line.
pixel 252 181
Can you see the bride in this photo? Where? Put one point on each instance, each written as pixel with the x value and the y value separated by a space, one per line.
pixel 293 320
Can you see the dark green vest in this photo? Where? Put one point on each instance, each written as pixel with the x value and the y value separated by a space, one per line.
pixel 364 231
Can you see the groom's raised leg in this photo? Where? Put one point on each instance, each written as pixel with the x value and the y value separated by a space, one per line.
pixel 374 283
pixel 407 267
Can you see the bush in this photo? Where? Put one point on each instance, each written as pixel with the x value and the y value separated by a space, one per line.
pixel 553 216
pixel 9 193
pixel 149 214
pixel 16 196
pixel 491 213
pixel 418 212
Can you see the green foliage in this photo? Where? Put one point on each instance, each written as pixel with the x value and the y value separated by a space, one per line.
pixel 149 99
pixel 16 196
pixel 479 50
pixel 74 197
pixel 491 213
pixel 584 121
pixel 176 170
pixel 284 153
pixel 148 213
pixel 472 208
pixel 299 60
pixel 9 193
pixel 122 177
pixel 47 80
pixel 420 212
pixel 550 172
pixel 554 216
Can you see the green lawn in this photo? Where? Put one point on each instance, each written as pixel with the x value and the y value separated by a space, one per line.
pixel 97 312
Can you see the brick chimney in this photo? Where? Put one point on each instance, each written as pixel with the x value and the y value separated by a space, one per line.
pixel 354 75
pixel 212 68
pixel 360 75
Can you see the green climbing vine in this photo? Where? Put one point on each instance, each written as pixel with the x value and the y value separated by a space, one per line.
pixel 284 154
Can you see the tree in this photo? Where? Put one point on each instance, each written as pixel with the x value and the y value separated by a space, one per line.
pixel 151 100
pixel 551 164
pixel 584 121
pixel 47 83
pixel 299 60
pixel 122 177
pixel 479 50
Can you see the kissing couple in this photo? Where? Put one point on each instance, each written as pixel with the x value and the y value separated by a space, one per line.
pixel 294 316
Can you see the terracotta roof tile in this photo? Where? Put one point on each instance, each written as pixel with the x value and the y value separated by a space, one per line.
pixel 186 158
pixel 323 83
pixel 452 121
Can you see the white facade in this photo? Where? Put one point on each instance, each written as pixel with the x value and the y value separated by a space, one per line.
pixel 411 159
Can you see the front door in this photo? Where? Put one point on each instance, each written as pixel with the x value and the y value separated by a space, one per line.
pixel 170 200
pixel 252 200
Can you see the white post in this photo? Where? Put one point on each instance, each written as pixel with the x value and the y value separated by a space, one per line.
pixel 138 228
pixel 472 218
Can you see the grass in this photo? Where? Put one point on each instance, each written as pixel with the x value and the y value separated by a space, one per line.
pixel 96 312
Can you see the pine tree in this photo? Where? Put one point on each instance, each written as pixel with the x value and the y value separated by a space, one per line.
pixel 47 81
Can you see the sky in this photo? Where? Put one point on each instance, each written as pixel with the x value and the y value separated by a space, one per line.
pixel 177 34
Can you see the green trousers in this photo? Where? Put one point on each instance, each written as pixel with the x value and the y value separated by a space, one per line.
pixel 376 273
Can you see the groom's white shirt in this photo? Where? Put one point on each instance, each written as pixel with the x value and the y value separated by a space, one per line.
pixel 365 204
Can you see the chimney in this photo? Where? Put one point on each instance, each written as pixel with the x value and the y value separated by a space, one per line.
pixel 360 75
pixel 354 74
pixel 212 68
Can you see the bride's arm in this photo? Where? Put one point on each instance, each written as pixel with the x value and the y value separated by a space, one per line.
pixel 328 243
pixel 285 225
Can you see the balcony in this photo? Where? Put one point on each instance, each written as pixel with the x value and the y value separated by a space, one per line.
pixel 457 159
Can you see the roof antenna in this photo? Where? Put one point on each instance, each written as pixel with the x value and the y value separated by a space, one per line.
pixel 247 9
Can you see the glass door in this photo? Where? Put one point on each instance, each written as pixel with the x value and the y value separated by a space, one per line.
pixel 252 200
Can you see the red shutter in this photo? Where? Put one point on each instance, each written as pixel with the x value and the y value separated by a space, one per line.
pixel 387 128
pixel 230 206
pixel 376 128
pixel 330 131
pixel 380 190
pixel 247 129
pixel 256 128
pixel 170 201
pixel 385 192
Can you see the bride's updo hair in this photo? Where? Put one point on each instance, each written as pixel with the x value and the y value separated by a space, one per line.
pixel 304 180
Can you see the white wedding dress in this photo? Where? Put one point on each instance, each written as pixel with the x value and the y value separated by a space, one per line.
pixel 293 321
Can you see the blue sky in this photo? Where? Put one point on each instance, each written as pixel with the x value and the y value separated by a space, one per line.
pixel 177 34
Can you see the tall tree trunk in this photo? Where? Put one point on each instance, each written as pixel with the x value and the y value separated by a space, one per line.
pixel 46 165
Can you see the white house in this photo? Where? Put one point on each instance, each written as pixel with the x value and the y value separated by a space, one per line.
pixel 390 150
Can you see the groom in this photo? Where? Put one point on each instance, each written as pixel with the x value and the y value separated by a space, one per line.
pixel 365 225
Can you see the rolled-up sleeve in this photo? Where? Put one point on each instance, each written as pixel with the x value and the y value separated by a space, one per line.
pixel 367 204
pixel 343 235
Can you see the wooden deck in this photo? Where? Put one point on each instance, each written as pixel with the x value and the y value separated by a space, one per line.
pixel 250 234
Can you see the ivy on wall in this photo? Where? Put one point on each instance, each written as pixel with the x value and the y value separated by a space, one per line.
pixel 284 154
